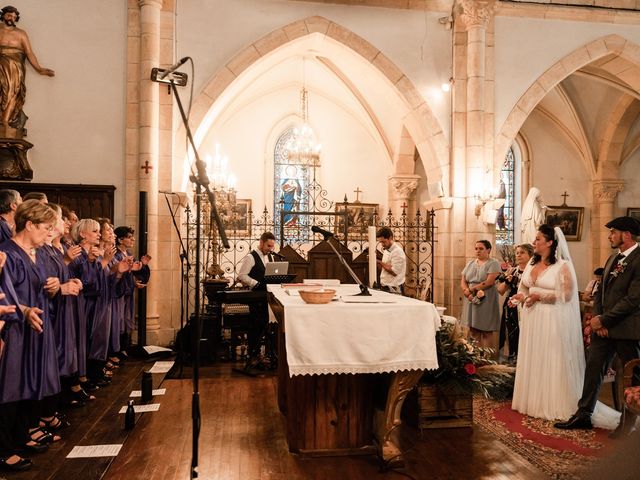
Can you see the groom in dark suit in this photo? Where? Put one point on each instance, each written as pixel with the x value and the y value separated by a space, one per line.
pixel 616 321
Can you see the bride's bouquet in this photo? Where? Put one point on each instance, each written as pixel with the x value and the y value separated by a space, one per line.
pixel 478 296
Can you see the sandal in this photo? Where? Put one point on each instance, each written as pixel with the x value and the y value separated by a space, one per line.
pixel 43 439
pixel 82 396
pixel 20 465
pixel 55 423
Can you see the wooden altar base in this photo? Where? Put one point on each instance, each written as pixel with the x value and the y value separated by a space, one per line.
pixel 330 414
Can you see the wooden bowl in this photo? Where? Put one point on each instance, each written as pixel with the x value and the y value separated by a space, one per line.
pixel 317 296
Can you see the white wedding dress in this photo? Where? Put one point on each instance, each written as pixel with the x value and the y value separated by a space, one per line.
pixel 551 361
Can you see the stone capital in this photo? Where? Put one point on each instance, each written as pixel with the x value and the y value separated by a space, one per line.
pixel 403 186
pixel 477 13
pixel 607 191
pixel 150 3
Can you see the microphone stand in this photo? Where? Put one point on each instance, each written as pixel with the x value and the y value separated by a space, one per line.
pixel 201 182
pixel 364 291
pixel 184 285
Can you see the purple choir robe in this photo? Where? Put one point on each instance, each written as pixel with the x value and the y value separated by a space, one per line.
pixel 61 311
pixel 101 331
pixel 129 289
pixel 118 306
pixel 87 272
pixel 39 368
pixel 97 286
pixel 12 335
pixel 5 230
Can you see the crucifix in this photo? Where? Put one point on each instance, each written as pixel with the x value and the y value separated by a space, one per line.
pixel 146 167
pixel 404 207
pixel 564 196
pixel 357 191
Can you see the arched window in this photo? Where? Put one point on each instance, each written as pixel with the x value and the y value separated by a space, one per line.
pixel 290 190
pixel 506 219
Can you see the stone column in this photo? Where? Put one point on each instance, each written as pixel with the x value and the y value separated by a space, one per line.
pixel 148 139
pixel 604 196
pixel 476 15
pixel 402 192
pixel 471 143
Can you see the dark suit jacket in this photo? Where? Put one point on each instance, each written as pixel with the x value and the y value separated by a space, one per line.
pixel 618 301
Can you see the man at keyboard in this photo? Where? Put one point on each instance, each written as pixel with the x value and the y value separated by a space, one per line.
pixel 251 275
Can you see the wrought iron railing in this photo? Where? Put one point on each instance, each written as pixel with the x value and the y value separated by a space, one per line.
pixel 348 222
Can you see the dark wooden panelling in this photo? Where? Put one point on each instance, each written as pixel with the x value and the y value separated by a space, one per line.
pixel 88 201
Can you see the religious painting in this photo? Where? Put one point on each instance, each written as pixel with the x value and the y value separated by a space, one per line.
pixel 360 216
pixel 240 221
pixel 634 212
pixel 569 219
pixel 290 192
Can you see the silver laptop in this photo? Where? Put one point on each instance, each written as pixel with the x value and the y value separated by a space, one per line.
pixel 276 268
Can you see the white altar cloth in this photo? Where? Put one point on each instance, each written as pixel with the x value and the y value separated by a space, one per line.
pixel 355 338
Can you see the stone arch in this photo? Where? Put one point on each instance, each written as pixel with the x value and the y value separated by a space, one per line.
pixel 611 45
pixel 422 125
pixel 610 150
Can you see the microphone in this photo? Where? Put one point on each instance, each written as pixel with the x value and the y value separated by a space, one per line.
pixel 173 68
pixel 279 255
pixel 167 192
pixel 325 233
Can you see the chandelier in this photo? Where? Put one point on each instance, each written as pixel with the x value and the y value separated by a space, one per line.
pixel 301 147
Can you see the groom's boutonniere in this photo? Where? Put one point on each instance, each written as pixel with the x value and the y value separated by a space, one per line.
pixel 618 269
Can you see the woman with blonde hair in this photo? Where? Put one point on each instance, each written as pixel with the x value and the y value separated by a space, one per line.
pixel 29 377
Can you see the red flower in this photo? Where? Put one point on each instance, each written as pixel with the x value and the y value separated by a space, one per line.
pixel 470 368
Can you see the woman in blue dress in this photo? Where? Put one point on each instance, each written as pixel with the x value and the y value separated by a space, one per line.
pixel 481 311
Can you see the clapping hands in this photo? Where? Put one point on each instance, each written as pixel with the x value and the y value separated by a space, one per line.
pixel 72 253
pixel 52 285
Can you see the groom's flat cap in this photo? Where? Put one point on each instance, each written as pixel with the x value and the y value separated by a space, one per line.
pixel 625 224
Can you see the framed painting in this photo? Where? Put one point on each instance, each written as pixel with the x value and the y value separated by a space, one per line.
pixel 634 212
pixel 239 222
pixel 569 219
pixel 360 216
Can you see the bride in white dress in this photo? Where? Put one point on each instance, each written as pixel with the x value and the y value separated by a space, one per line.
pixel 551 360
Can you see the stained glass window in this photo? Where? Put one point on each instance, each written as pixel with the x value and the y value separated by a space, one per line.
pixel 290 191
pixel 505 221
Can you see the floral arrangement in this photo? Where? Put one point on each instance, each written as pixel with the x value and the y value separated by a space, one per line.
pixel 477 296
pixel 618 269
pixel 466 367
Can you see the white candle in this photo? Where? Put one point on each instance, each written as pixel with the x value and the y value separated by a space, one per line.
pixel 372 255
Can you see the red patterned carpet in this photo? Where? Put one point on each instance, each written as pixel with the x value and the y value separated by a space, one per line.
pixel 560 454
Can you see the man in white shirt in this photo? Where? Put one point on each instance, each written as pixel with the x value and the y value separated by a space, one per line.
pixel 393 266
pixel 251 275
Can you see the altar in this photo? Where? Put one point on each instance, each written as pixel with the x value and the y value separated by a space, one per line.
pixel 329 359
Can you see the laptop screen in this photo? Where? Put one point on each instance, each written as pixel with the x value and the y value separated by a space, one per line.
pixel 276 268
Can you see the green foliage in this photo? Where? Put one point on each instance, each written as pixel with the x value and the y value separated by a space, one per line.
pixel 466 367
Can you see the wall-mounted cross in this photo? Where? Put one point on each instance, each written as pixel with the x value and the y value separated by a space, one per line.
pixel 404 206
pixel 146 167
pixel 564 198
pixel 357 191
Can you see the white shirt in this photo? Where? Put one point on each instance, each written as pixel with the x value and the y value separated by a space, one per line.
pixel 398 260
pixel 245 267
pixel 628 251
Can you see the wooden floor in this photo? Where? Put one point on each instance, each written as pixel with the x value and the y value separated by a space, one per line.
pixel 243 438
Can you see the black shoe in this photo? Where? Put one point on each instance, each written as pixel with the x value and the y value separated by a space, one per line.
pixel 20 465
pixel 624 429
pixel 577 421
